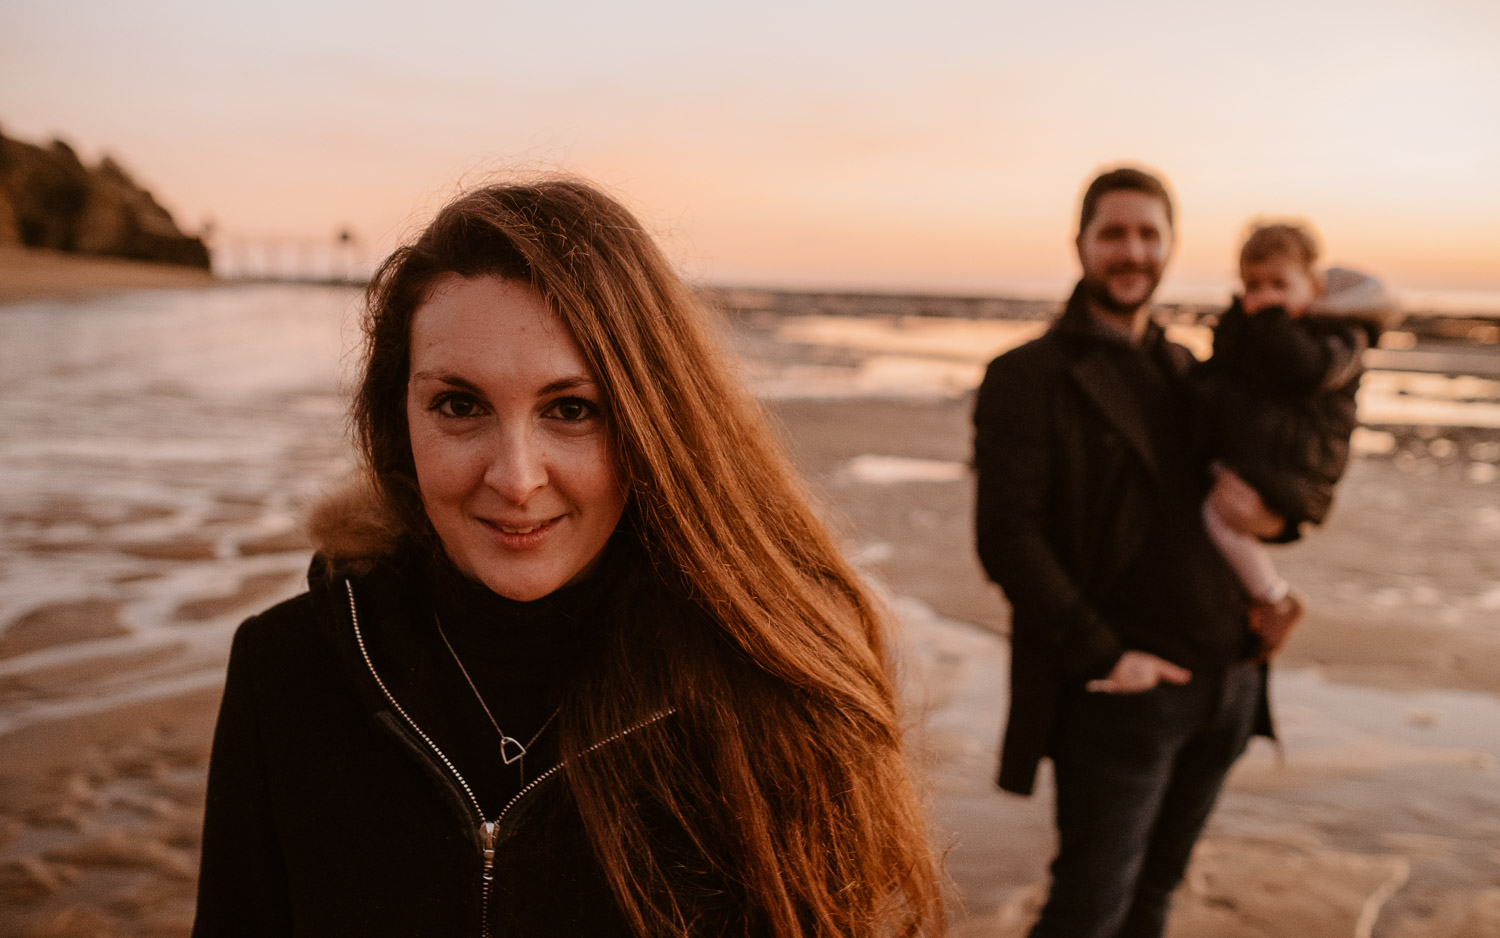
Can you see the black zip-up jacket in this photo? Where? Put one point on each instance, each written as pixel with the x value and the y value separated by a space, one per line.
pixel 334 809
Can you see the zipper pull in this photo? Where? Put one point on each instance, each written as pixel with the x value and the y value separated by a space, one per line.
pixel 487 832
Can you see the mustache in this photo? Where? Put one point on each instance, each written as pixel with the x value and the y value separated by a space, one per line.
pixel 1099 290
pixel 1128 267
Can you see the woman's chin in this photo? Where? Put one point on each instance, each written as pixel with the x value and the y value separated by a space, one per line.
pixel 526 586
pixel 519 589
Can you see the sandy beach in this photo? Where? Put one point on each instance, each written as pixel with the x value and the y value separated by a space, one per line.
pixel 1380 817
pixel 36 273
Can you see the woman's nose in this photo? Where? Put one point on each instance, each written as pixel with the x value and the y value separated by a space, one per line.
pixel 517 467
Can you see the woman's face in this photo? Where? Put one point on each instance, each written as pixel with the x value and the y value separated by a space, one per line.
pixel 510 437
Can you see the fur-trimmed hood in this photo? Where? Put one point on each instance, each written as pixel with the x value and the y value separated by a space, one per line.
pixel 1352 294
pixel 354 527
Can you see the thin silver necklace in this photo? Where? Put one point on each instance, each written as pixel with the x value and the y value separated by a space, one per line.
pixel 512 750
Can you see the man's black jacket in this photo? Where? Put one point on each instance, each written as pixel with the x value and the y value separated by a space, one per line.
pixel 1066 491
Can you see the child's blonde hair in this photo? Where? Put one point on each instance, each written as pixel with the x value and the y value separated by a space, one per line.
pixel 1281 239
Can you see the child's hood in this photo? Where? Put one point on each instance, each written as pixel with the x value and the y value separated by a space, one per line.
pixel 1356 295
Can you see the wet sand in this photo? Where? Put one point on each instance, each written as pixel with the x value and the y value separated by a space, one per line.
pixel 35 273
pixel 1380 820
pixel 1383 816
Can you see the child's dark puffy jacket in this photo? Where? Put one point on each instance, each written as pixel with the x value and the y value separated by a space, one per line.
pixel 1279 394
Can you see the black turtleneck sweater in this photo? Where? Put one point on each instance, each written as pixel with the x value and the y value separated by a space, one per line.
pixel 523 659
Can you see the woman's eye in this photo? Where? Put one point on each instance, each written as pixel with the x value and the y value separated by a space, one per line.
pixel 455 405
pixel 572 409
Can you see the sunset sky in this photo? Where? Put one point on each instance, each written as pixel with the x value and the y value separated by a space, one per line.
pixel 848 144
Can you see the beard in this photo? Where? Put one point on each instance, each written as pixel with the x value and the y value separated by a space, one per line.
pixel 1097 290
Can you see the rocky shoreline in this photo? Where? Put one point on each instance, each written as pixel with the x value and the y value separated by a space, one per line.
pixel 50 199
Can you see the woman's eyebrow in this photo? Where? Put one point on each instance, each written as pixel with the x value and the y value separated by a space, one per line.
pixel 446 377
pixel 566 383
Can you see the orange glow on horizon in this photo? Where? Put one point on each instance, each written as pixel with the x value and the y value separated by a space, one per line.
pixel 879 151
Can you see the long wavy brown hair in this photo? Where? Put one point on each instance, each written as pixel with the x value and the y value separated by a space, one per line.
pixel 782 774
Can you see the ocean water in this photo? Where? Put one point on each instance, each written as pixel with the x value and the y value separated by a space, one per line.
pixel 158 448
pixel 154 449
pixel 933 357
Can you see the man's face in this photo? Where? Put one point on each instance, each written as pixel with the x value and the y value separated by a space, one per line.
pixel 1124 250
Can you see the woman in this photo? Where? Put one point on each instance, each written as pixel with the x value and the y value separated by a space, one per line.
pixel 577 659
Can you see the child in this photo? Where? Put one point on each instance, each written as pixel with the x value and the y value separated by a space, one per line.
pixel 1280 391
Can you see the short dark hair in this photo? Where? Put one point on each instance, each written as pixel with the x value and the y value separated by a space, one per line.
pixel 1126 179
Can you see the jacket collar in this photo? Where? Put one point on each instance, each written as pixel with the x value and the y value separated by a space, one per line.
pixel 1097 374
pixel 391 621
pixel 1076 322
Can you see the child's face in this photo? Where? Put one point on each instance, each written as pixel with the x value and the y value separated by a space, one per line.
pixel 1278 281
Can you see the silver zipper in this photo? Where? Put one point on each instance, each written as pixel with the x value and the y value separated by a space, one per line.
pixel 359 637
pixel 488 830
pixel 659 715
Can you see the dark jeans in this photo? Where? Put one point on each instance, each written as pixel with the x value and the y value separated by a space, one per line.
pixel 1137 776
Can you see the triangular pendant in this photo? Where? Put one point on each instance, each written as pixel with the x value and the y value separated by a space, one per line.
pixel 511 749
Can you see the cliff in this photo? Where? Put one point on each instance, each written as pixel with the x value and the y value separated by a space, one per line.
pixel 50 199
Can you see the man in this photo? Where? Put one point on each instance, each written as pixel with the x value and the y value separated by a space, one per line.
pixel 1132 666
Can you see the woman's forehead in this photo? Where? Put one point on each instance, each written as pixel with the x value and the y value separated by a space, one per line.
pixel 489 329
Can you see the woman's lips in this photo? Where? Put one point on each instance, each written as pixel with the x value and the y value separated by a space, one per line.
pixel 520 536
